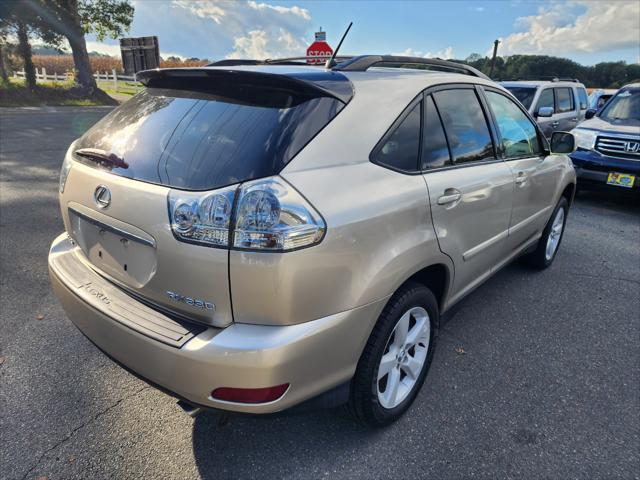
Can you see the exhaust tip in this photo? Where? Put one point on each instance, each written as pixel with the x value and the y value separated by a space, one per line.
pixel 189 409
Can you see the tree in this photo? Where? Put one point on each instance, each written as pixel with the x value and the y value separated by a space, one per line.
pixel 17 18
pixel 24 47
pixel 74 18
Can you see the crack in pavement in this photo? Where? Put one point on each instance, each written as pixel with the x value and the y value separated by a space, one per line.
pixel 80 427
pixel 604 277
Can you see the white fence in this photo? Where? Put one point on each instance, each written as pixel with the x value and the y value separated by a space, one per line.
pixel 99 76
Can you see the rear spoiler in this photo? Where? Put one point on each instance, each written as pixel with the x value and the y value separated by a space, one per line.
pixel 209 77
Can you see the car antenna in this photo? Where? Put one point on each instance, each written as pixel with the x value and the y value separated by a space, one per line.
pixel 332 61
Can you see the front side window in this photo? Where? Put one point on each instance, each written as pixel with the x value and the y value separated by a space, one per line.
pixel 400 149
pixel 435 152
pixel 519 136
pixel 546 100
pixel 584 100
pixel 465 125
pixel 565 100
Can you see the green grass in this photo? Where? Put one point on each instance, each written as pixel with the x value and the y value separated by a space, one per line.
pixel 15 94
pixel 124 88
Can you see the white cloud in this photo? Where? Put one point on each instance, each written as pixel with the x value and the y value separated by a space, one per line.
pixel 254 45
pixel 300 12
pixel 576 27
pixel 103 48
pixel 258 30
pixel 445 54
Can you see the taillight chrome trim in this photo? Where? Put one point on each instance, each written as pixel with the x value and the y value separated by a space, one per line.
pixel 236 194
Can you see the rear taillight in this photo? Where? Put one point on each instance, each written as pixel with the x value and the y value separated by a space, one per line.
pixel 202 218
pixel 268 215
pixel 64 172
pixel 272 215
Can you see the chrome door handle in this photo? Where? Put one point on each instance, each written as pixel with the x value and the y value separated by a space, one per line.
pixel 521 178
pixel 451 195
pixel 555 124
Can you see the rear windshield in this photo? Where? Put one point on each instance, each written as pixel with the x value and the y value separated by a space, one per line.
pixel 524 94
pixel 204 140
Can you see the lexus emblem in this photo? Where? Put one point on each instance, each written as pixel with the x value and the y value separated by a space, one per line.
pixel 632 147
pixel 102 196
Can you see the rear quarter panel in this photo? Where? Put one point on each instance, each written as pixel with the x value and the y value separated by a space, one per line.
pixel 379 229
pixel 379 233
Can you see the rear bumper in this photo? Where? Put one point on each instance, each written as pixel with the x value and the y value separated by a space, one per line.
pixel 313 357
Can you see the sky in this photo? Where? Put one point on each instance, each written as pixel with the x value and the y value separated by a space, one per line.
pixel 585 31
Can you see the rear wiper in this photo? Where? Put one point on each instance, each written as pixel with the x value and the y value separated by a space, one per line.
pixel 101 157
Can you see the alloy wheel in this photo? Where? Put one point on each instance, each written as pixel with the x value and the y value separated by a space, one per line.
pixel 555 234
pixel 404 357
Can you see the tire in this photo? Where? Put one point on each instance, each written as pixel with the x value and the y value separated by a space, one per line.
pixel 540 258
pixel 378 408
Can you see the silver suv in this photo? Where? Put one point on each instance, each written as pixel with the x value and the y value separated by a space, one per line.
pixel 557 105
pixel 251 237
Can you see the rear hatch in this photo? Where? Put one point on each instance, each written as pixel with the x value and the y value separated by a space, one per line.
pixel 193 130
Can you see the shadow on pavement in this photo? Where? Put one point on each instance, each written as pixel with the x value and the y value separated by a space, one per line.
pixel 620 200
pixel 278 446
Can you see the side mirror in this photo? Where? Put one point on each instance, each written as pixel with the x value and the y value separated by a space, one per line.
pixel 563 143
pixel 545 112
pixel 590 113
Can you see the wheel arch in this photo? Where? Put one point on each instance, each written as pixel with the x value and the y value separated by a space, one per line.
pixel 569 192
pixel 435 277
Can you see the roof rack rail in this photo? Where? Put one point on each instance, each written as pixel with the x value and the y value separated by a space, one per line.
pixel 272 61
pixel 364 62
pixel 298 59
pixel 234 62
pixel 564 79
pixel 552 78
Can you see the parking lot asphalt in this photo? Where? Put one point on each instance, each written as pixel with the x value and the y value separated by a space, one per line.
pixel 537 375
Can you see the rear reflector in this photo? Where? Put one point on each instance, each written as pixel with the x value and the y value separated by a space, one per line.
pixel 250 395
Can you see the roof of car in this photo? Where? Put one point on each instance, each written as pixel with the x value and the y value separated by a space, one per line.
pixel 401 84
pixel 538 83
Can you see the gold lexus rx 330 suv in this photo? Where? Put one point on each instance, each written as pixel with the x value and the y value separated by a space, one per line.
pixel 255 235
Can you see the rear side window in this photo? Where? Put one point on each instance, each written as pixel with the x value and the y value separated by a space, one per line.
pixel 519 136
pixel 465 125
pixel 565 100
pixel 546 99
pixel 201 140
pixel 400 148
pixel 584 100
pixel 435 152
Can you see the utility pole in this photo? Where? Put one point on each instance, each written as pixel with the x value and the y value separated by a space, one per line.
pixel 493 60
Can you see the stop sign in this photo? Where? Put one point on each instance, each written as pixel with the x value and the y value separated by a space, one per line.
pixel 320 51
